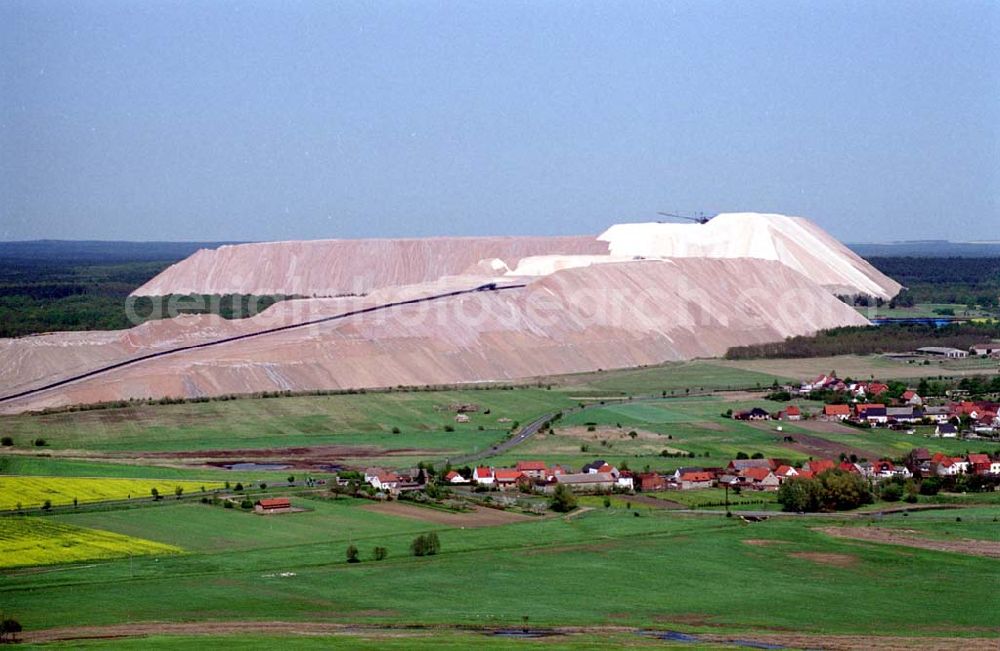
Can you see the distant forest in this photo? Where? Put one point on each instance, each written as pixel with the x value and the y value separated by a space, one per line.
pixel 966 281
pixel 88 290
pixel 59 285
pixel 867 340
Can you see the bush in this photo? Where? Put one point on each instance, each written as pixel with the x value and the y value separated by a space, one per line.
pixel 563 499
pixel 9 628
pixel 449 428
pixel 239 487
pixel 425 545
pixel 395 430
pixel 40 443
pixel 6 441
pixel 891 492
pixel 246 504
pixel 930 486
pixel 380 553
pixel 47 505
pixel 352 554
pixel 833 490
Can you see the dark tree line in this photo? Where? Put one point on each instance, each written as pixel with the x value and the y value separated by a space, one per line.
pixel 866 340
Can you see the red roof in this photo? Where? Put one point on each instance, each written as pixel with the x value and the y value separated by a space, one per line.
pixel 821 465
pixel 756 474
pixel 876 388
pixel 451 475
pixel 836 410
pixel 792 410
pixel 697 476
pixel 847 466
pixel 979 459
pixel 783 470
pixel 483 471
pixel 909 395
pixel 605 468
pixel 275 503
pixel 508 474
pixel 531 465
pixel 806 474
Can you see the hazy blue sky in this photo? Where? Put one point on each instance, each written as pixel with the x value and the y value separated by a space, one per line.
pixel 214 120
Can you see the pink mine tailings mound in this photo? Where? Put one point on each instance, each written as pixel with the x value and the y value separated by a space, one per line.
pixel 341 267
pixel 612 315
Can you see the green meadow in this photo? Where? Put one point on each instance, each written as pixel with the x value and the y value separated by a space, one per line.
pixel 655 570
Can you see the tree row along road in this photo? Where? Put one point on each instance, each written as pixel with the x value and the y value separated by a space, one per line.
pixel 489 287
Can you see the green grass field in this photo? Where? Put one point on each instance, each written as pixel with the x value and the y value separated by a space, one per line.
pixel 349 420
pixel 599 567
pixel 655 570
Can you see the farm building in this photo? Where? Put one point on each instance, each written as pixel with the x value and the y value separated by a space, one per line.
pixel 273 505
pixel 943 351
pixel 533 469
pixel 992 350
pixel 650 481
pixel 692 480
pixel 836 412
pixel 589 481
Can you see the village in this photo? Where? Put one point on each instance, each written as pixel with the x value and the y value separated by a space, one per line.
pixel 878 404
pixel 755 474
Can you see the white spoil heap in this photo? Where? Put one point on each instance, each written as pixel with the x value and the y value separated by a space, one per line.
pixel 793 241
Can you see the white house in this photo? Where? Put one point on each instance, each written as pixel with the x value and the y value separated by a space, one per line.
pixel 625 481
pixel 951 467
pixel 946 431
pixel 483 476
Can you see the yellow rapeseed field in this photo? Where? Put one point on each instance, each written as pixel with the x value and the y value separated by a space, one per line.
pixel 40 541
pixel 32 491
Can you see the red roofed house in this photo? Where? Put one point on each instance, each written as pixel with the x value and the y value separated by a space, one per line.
pixel 691 480
pixel 455 478
pixel 483 476
pixel 650 481
pixel 876 388
pixel 950 466
pixel 273 505
pixel 980 464
pixel 761 478
pixel 790 413
pixel 836 412
pixel 507 477
pixel 785 472
pixel 533 469
pixel 847 466
pixel 817 466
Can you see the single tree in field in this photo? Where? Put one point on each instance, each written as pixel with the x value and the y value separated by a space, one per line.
pixel 9 628
pixel 178 491
pixel 352 554
pixel 563 499
pixel 155 493
pixel 380 553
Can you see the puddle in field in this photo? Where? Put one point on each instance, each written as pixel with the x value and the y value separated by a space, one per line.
pixel 522 633
pixel 677 636
pixel 255 466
